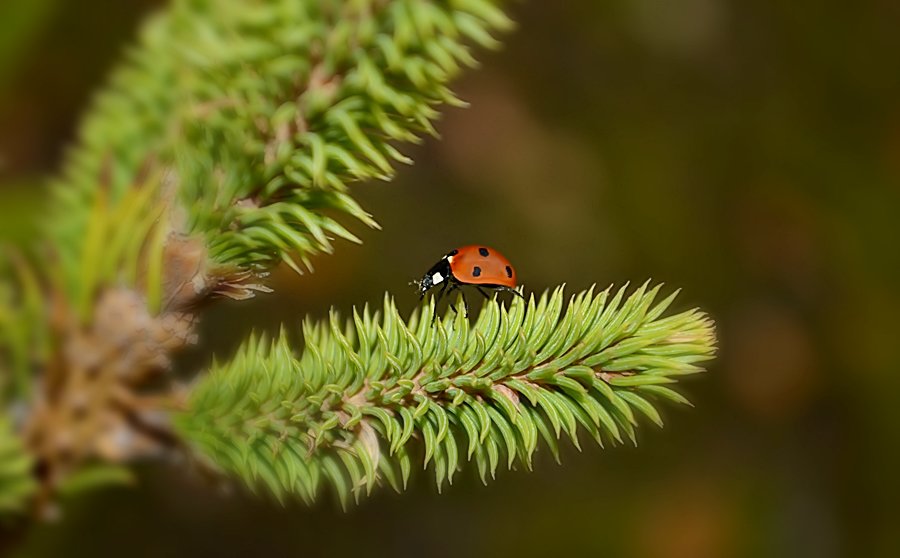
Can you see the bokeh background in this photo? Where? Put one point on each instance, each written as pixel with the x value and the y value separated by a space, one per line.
pixel 747 152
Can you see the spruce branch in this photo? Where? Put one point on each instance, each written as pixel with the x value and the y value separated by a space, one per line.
pixel 224 144
pixel 99 324
pixel 16 483
pixel 345 411
pixel 24 338
pixel 263 112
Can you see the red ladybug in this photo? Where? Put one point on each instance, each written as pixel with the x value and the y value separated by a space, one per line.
pixel 478 266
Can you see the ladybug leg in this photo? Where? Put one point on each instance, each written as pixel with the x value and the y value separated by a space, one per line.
pixel 453 306
pixel 463 295
pixel 513 291
pixel 480 290
pixel 437 297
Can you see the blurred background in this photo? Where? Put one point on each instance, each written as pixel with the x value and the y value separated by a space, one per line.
pixel 746 152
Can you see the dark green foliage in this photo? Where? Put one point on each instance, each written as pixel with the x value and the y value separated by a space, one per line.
pixel 260 113
pixel 345 410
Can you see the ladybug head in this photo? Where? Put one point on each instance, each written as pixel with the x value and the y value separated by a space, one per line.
pixel 437 275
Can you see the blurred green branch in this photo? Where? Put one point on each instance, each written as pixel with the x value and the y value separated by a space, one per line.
pixel 345 411
pixel 16 482
pixel 262 112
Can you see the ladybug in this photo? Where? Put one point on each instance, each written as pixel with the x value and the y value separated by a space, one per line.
pixel 478 266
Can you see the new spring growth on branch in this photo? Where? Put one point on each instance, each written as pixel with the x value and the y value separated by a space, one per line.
pixel 369 398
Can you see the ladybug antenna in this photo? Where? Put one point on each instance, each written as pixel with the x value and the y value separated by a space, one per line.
pixel 418 286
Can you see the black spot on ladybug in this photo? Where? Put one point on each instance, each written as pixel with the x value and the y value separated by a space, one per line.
pixel 509 272
pixel 476 271
pixel 484 252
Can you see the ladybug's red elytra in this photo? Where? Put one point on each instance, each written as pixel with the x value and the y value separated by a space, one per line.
pixel 479 266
